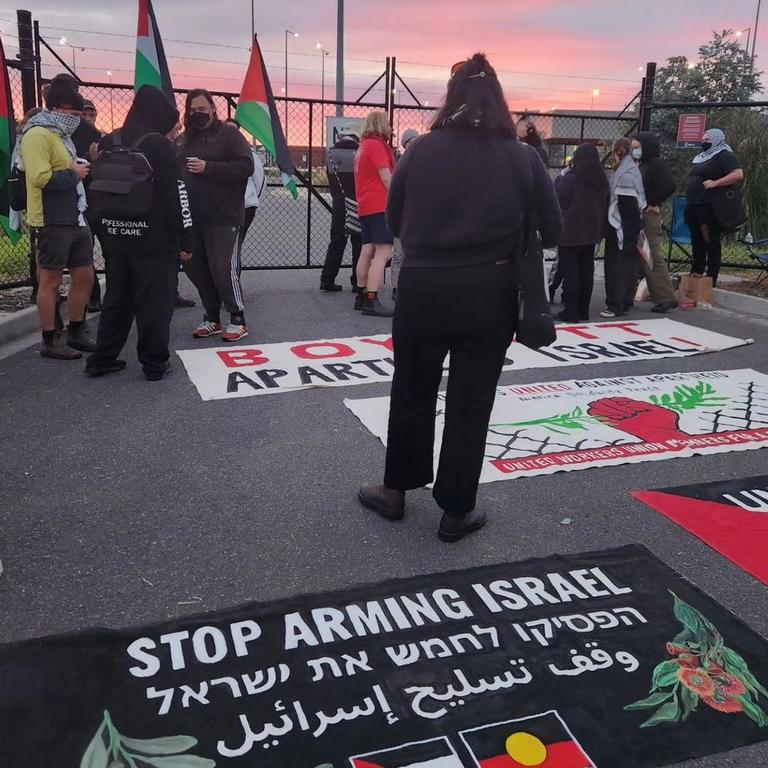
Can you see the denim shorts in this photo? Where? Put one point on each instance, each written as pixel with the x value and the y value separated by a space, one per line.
pixel 375 230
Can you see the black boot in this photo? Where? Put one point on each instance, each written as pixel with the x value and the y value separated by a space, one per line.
pixel 374 308
pixel 359 299
pixel 454 528
pixel 113 366
pixel 330 287
pixel 79 338
pixel 388 503
pixel 56 349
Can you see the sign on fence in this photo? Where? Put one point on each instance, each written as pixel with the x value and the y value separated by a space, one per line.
pixel 690 130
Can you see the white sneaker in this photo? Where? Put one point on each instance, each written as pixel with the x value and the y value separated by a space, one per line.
pixel 234 332
pixel 607 313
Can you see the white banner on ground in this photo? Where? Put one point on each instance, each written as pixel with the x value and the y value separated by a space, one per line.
pixel 259 369
pixel 540 429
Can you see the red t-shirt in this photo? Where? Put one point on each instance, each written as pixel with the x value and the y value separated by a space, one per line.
pixel 373 155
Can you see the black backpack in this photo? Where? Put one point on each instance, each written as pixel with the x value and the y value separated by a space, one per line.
pixel 17 189
pixel 121 182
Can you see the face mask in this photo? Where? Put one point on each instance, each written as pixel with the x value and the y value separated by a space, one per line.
pixel 637 153
pixel 705 145
pixel 67 123
pixel 199 120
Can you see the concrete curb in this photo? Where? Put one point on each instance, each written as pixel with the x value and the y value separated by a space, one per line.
pixel 14 325
pixel 740 302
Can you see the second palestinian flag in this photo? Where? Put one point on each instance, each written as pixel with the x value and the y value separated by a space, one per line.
pixel 436 753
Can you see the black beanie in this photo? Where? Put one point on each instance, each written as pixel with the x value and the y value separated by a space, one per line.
pixel 62 93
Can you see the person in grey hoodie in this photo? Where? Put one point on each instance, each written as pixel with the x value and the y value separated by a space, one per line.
pixel 659 187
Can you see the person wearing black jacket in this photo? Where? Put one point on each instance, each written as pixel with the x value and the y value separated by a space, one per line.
pixel 584 194
pixel 459 201
pixel 659 187
pixel 341 180
pixel 218 163
pixel 142 255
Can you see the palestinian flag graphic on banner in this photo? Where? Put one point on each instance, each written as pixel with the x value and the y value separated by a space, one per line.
pixel 542 741
pixel 7 140
pixel 436 753
pixel 257 113
pixel 151 65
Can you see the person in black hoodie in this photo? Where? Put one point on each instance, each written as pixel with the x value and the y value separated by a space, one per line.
pixel 341 180
pixel 459 201
pixel 142 255
pixel 584 194
pixel 659 187
pixel 218 163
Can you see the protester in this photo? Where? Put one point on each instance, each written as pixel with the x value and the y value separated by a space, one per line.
pixel 659 187
pixel 584 194
pixel 86 139
pixel 142 254
pixel 374 164
pixel 715 167
pixel 407 140
pixel 56 208
pixel 340 165
pixel 528 134
pixel 458 291
pixel 624 226
pixel 217 162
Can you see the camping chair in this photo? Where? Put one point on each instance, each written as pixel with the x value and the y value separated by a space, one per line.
pixel 679 234
pixel 760 257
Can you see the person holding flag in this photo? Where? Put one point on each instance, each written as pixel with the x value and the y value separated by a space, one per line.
pixel 218 163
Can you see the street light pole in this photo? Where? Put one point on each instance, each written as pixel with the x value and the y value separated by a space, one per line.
pixel 111 105
pixel 339 56
pixel 253 20
pixel 294 34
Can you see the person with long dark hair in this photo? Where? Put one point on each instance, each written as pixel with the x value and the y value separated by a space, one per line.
pixel 584 195
pixel 623 231
pixel 460 201
pixel 218 163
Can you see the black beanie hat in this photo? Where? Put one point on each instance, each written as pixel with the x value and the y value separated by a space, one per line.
pixel 62 93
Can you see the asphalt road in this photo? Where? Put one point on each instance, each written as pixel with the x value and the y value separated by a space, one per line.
pixel 121 499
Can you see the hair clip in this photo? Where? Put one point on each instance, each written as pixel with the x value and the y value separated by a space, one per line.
pixel 479 74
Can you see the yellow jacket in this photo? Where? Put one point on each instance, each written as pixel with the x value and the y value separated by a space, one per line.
pixel 51 182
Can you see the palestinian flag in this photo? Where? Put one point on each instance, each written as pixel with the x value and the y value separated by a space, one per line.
pixel 7 140
pixel 436 753
pixel 151 65
pixel 257 113
pixel 542 741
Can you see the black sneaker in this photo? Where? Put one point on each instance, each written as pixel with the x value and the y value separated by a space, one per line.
pixel 155 375
pixel 113 366
pixel 374 308
pixel 58 350
pixel 183 302
pixel 330 287
pixel 664 307
pixel 80 339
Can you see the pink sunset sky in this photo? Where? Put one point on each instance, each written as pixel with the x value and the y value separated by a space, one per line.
pixel 549 53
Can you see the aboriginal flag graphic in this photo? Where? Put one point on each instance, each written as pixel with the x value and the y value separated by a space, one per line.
pixel 436 753
pixel 542 741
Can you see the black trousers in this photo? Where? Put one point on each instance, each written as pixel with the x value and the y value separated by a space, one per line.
pixel 338 244
pixel 144 287
pixel 556 277
pixel 470 313
pixel 705 240
pixel 247 221
pixel 577 264
pixel 620 272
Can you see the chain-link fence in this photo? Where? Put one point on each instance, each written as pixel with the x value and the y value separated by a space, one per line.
pixel 746 130
pixel 14 258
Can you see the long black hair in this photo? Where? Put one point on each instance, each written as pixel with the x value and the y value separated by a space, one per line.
pixel 193 94
pixel 588 168
pixel 475 100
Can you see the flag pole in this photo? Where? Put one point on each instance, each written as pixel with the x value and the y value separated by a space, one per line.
pixel 339 56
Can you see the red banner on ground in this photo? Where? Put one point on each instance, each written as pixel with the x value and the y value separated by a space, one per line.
pixel 732 517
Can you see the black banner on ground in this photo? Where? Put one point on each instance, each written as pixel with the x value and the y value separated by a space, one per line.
pixel 602 659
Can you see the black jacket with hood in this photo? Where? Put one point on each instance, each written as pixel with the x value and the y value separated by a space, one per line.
pixel 657 180
pixel 168 228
